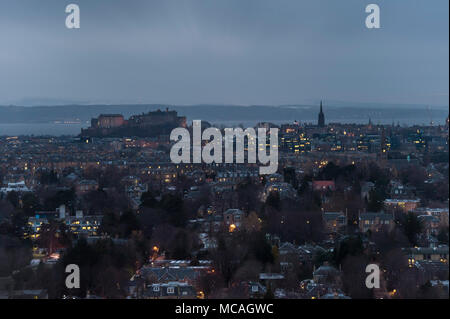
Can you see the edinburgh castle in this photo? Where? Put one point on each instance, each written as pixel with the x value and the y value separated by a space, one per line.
pixel 144 125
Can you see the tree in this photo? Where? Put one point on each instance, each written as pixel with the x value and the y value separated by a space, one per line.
pixel 6 210
pixel 329 172
pixel 226 259
pixel 149 218
pixel 290 176
pixel 148 200
pixel 395 264
pixel 14 198
pixel 349 246
pixel 259 248
pixel 128 223
pixel 182 245
pixel 269 294
pixel 173 206
pixel 386 240
pixel 30 204
pixel 63 197
pixel 252 222
pixel 377 197
pixel 14 254
pixel 48 178
pixel 412 227
pixel 110 224
pixel 210 283
pixel 443 235
pixel 249 271
pixel 162 236
pixel 273 200
pixel 248 195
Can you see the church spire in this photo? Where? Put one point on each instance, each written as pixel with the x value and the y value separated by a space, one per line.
pixel 321 122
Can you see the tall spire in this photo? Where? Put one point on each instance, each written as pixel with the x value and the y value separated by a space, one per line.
pixel 321 122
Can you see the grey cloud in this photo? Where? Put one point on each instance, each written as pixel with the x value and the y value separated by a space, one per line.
pixel 224 51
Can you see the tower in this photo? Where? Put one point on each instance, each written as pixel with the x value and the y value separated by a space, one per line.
pixel 370 126
pixel 321 122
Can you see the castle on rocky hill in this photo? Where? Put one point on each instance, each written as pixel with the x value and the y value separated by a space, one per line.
pixel 149 124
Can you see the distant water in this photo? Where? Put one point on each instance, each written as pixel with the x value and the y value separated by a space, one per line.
pixel 41 129
pixel 75 129
pixel 407 121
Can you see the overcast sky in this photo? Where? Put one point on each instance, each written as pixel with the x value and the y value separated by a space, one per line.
pixel 224 51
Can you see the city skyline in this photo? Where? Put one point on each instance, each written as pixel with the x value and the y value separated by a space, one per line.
pixel 224 157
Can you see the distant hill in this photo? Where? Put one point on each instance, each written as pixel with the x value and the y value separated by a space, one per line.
pixel 336 112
